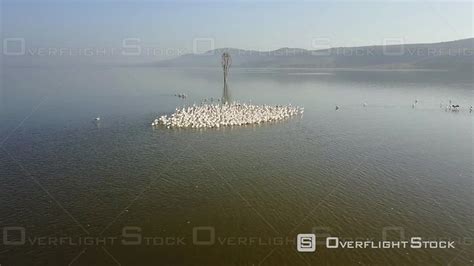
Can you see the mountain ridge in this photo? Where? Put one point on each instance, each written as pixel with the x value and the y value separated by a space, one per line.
pixel 451 55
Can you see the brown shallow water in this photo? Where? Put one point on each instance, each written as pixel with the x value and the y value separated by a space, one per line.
pixel 354 173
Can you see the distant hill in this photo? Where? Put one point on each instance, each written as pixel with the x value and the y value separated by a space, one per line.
pixel 453 55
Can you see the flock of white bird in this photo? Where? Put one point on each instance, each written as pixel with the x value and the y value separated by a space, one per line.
pixel 214 115
pixel 219 115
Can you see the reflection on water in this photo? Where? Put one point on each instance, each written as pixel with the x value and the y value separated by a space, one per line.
pixel 356 173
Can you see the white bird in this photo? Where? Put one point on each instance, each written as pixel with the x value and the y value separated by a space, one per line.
pixel 97 118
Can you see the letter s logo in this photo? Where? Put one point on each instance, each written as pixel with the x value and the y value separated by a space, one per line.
pixel 306 242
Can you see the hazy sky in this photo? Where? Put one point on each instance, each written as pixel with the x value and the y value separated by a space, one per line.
pixel 260 25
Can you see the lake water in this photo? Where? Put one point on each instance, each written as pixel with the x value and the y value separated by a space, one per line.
pixel 233 196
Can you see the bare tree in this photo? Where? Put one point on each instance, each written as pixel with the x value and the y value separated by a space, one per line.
pixel 226 62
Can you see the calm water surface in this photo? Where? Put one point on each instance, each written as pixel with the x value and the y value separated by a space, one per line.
pixel 354 173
